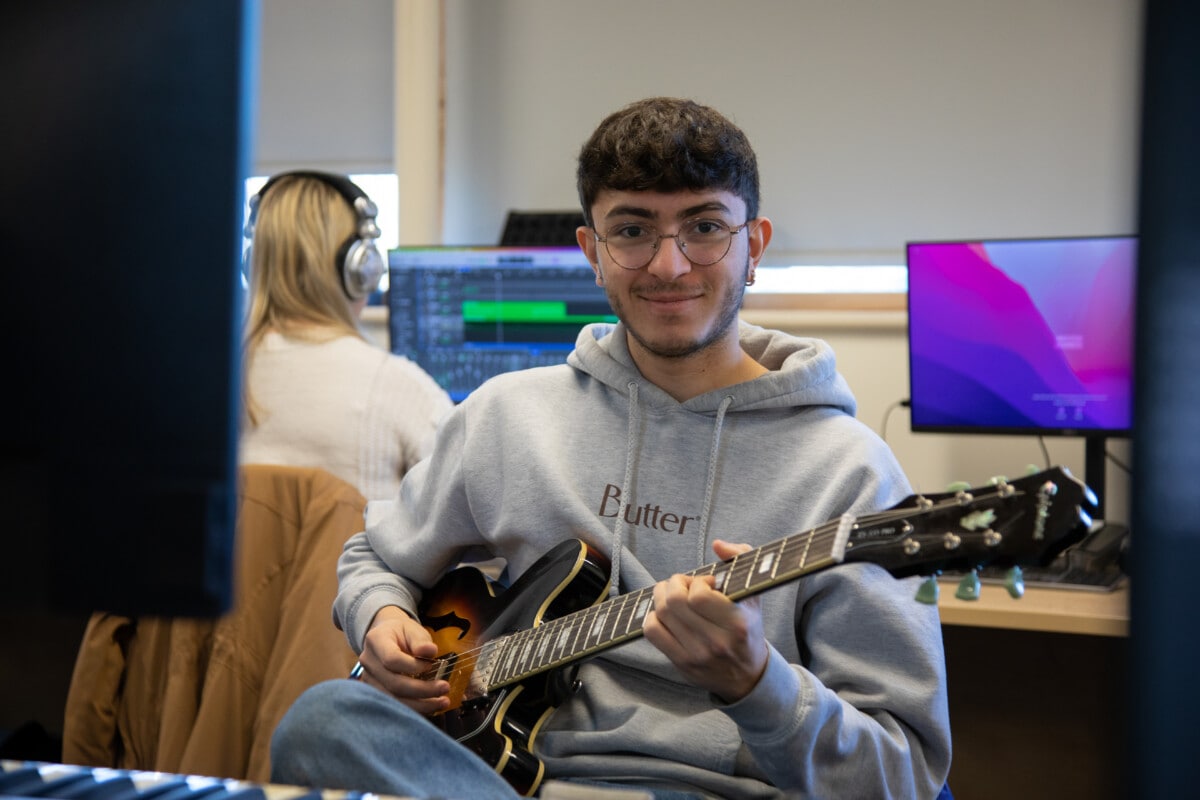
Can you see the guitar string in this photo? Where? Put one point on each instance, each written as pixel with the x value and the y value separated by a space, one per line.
pixel 515 644
pixel 467 661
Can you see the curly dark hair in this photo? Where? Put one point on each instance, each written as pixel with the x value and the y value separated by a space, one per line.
pixel 666 144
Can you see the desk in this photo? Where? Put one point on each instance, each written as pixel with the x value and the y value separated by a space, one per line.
pixel 1049 610
pixel 1037 692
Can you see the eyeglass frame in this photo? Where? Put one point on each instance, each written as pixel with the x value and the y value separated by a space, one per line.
pixel 682 248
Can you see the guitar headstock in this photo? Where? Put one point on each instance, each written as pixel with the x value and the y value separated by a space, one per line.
pixel 1010 523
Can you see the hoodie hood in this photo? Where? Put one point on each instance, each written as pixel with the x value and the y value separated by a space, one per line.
pixel 803 372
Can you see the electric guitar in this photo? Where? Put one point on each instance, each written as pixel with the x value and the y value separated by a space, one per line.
pixel 509 657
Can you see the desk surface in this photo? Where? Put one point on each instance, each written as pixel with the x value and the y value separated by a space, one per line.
pixel 1052 610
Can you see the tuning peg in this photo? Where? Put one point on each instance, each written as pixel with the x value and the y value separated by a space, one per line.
pixel 1014 582
pixel 1032 469
pixel 968 587
pixel 958 486
pixel 927 593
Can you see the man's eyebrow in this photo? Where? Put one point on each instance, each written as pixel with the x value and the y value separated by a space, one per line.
pixel 627 210
pixel 630 211
pixel 711 205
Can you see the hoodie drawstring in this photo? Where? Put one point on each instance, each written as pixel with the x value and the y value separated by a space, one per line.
pixel 702 554
pixel 631 436
pixel 619 529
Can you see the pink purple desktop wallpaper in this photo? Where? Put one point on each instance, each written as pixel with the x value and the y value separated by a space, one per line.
pixel 1031 335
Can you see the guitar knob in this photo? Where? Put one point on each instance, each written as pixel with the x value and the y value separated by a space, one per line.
pixel 1014 582
pixel 958 486
pixel 928 591
pixel 968 587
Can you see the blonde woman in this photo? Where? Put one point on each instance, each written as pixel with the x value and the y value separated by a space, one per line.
pixel 318 393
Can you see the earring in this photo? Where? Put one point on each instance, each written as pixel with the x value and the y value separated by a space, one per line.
pixel 750 280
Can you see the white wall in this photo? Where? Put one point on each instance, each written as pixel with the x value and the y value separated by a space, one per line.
pixel 325 86
pixel 875 122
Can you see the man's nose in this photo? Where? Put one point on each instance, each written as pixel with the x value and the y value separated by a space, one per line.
pixel 669 261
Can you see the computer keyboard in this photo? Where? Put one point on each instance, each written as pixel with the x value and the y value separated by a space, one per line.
pixel 26 780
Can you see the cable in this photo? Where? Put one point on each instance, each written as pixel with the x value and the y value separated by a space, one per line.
pixel 1125 467
pixel 905 403
pixel 1045 451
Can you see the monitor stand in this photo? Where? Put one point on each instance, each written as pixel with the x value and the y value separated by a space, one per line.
pixel 1095 470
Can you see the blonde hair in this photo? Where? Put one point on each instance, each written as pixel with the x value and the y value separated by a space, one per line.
pixel 295 283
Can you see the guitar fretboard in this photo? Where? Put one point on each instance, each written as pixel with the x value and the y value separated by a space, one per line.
pixel 554 643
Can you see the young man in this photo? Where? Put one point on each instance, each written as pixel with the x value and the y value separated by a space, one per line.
pixel 664 439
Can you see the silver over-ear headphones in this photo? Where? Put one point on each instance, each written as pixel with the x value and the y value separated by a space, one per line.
pixel 358 260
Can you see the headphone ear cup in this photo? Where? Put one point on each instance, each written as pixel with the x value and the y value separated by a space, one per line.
pixel 362 267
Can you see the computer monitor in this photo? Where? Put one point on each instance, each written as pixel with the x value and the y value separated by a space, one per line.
pixel 121 222
pixel 466 314
pixel 1024 336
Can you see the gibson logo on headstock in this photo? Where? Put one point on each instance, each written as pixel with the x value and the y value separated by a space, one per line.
pixel 878 532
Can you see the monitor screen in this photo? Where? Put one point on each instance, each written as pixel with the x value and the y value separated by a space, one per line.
pixel 1022 336
pixel 468 313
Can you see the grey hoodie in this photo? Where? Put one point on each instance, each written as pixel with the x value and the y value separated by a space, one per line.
pixel 852 703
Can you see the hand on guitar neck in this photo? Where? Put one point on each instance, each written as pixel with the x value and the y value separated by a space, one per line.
pixel 717 644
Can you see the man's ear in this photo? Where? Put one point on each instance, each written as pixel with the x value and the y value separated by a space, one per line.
pixel 587 243
pixel 760 237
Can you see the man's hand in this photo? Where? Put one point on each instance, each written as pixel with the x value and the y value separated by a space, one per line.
pixel 717 644
pixel 396 650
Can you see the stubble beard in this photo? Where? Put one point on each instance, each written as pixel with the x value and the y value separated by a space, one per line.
pixel 727 314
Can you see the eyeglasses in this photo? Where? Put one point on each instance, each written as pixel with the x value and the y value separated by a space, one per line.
pixel 704 242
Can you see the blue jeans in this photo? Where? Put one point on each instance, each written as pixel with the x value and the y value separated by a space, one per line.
pixel 343 734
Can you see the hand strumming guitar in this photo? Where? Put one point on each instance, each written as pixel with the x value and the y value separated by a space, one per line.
pixel 396 651
pixel 716 643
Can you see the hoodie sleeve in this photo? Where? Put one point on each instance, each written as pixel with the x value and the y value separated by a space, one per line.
pixel 866 714
pixel 409 543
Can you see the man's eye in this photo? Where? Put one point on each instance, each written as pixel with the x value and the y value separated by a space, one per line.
pixel 631 232
pixel 707 227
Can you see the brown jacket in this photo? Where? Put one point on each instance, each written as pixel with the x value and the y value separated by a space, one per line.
pixel 204 696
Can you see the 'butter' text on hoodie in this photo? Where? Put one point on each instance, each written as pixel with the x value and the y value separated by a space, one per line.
pixel 644 516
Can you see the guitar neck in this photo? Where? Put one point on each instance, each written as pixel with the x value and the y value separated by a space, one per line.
pixel 555 643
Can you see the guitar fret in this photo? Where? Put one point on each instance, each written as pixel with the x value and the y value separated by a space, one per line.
pixel 563 641
pixel 721 579
pixel 521 654
pixel 512 649
pixel 768 563
pixel 639 608
pixel 539 651
pixel 578 625
pixel 596 633
pixel 626 615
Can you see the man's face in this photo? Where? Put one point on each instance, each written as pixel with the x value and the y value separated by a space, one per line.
pixel 672 307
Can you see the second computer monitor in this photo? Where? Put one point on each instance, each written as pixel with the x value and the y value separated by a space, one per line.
pixel 466 314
